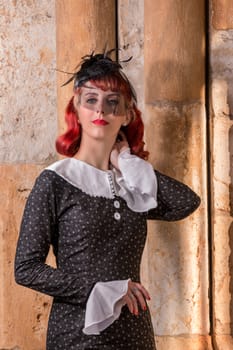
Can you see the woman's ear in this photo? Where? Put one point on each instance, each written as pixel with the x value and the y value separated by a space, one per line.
pixel 75 111
pixel 75 102
pixel 128 117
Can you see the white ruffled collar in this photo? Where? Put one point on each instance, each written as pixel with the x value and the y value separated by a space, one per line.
pixel 84 176
pixel 135 182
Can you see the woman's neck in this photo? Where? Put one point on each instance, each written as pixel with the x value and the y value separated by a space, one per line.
pixel 96 154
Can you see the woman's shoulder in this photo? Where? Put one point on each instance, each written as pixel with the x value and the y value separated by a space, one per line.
pixel 49 176
pixel 60 165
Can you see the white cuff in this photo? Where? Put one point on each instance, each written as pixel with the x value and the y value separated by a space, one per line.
pixel 104 305
pixel 137 182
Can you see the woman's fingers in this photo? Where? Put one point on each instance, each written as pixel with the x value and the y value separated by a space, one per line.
pixel 131 303
pixel 122 135
pixel 136 296
pixel 121 141
pixel 143 291
pixel 118 147
pixel 114 157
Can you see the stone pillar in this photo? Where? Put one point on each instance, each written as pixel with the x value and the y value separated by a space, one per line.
pixel 131 42
pixel 28 121
pixel 83 26
pixel 174 114
pixel 221 106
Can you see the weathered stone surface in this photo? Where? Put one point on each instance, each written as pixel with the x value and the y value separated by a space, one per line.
pixel 223 271
pixel 168 73
pixel 179 304
pixel 222 224
pixel 24 312
pixel 221 93
pixel 223 342
pixel 131 42
pixel 28 114
pixel 195 342
pixel 221 72
pixel 83 26
pixel 221 165
pixel 175 136
pixel 222 14
pixel 174 55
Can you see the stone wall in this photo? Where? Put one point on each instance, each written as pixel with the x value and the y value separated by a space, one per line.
pixel 168 41
pixel 176 135
pixel 221 126
pixel 28 81
pixel 28 125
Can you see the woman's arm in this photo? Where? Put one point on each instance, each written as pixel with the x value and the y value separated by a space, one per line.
pixel 38 230
pixel 175 200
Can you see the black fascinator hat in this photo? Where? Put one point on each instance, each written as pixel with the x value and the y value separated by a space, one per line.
pixel 96 66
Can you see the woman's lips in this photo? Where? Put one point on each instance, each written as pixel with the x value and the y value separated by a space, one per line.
pixel 100 122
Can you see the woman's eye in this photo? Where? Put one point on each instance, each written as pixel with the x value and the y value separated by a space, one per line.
pixel 113 102
pixel 91 100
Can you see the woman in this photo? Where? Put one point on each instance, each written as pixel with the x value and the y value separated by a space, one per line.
pixel 92 208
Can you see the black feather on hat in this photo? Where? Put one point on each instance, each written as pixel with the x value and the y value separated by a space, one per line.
pixel 95 66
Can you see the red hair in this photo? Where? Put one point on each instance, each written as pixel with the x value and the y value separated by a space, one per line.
pixel 68 143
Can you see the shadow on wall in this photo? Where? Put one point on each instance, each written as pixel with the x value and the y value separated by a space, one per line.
pixel 173 131
pixel 176 81
pixel 231 226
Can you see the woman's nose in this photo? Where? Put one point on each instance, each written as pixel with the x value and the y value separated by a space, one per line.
pixel 100 108
pixel 100 111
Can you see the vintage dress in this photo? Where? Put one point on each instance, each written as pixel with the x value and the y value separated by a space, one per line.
pixel 95 237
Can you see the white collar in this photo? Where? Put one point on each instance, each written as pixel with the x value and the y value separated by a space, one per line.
pixel 139 189
pixel 84 176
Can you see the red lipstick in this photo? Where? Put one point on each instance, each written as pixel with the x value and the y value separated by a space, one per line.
pixel 100 122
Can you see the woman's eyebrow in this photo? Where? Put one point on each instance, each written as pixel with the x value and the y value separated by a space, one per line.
pixel 96 94
pixel 91 93
pixel 114 94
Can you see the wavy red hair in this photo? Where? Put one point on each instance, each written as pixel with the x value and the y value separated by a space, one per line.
pixel 68 143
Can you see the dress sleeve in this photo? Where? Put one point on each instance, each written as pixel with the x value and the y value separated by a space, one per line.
pixel 104 305
pixel 37 232
pixel 175 200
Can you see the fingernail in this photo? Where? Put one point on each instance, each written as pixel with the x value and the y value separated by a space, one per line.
pixel 144 308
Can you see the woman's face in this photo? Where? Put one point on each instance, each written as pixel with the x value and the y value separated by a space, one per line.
pixel 100 113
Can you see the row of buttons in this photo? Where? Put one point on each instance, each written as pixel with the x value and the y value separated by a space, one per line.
pixel 116 203
pixel 117 215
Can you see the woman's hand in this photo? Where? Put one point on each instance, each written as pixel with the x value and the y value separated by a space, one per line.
pixel 136 297
pixel 118 147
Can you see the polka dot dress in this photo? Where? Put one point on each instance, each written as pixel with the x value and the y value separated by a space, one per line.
pixel 94 239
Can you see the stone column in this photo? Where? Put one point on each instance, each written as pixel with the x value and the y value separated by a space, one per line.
pixel 221 106
pixel 175 119
pixel 83 26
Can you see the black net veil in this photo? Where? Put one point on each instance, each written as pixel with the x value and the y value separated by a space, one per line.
pixel 95 66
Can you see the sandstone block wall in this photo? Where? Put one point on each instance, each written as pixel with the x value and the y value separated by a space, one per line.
pixel 176 133
pixel 28 81
pixel 221 126
pixel 28 125
pixel 192 301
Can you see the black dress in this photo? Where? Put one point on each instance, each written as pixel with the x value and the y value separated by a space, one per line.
pixel 94 238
